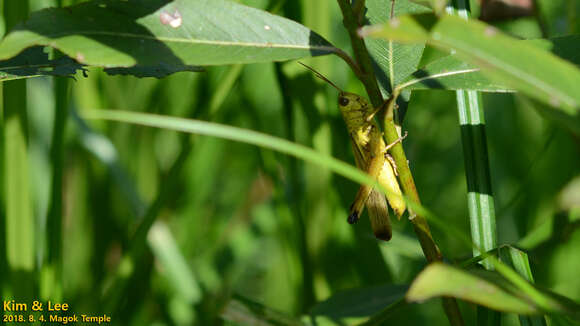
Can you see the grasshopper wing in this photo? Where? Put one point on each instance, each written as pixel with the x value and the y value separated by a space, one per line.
pixel 376 202
pixel 379 215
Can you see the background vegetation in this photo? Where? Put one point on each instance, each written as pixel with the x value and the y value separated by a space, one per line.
pixel 243 234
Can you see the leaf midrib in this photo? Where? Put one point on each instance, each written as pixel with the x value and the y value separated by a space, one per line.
pixel 197 41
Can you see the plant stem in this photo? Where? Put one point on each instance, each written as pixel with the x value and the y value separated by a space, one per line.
pixel 361 55
pixel 370 83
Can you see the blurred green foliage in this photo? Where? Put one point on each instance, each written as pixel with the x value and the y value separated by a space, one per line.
pixel 255 223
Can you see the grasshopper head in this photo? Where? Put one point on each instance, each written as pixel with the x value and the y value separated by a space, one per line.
pixel 349 102
pixel 353 109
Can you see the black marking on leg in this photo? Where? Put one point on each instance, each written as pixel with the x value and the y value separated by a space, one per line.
pixel 352 218
pixel 383 235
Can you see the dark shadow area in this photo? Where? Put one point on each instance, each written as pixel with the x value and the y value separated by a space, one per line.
pixel 496 10
pixel 567 48
pixel 429 83
pixel 316 43
pixel 382 77
pixel 476 158
pixel 358 302
pixel 34 61
pixel 562 230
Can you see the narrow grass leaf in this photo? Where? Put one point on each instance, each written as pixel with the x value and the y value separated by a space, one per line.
pixel 236 134
pixel 174 265
pixel 518 260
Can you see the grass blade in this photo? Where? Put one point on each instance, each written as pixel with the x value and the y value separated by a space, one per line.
pixel 20 227
pixel 233 133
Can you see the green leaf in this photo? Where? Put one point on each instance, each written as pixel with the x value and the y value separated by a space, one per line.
pixel 356 305
pixel 437 5
pixel 518 260
pixel 393 61
pixel 566 47
pixel 159 71
pixel 485 288
pixel 34 62
pixel 538 74
pixel 156 38
pixel 450 72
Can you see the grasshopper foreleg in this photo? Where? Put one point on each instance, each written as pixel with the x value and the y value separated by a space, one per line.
pixel 389 157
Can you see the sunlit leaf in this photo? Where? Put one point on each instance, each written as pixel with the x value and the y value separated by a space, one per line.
pixel 485 288
pixel 158 37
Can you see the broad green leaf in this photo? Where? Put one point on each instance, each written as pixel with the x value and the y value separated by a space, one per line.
pixel 485 288
pixel 356 305
pixel 566 47
pixel 34 62
pixel 156 38
pixel 538 74
pixel 449 72
pixel 394 61
pixel 437 5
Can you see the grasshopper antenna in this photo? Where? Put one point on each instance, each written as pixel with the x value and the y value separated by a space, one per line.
pixel 321 76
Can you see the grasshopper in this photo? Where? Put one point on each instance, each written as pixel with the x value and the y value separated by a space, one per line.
pixel 370 153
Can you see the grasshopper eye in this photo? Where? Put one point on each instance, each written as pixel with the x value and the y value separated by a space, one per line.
pixel 343 101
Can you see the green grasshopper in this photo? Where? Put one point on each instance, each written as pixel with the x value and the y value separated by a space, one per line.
pixel 370 153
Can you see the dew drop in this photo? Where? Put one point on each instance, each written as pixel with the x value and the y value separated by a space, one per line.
pixel 266 27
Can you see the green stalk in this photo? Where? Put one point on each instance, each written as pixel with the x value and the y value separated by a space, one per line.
pixel 20 228
pixel 51 287
pixel 479 196
pixel 369 80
